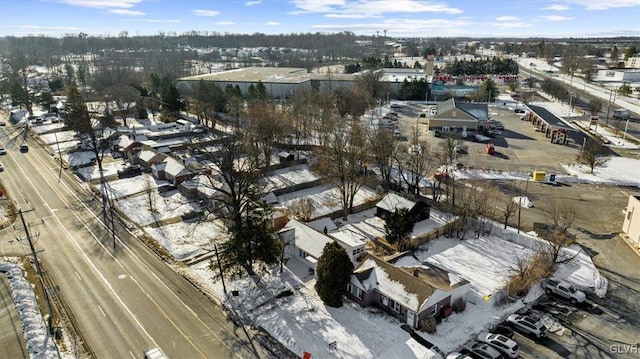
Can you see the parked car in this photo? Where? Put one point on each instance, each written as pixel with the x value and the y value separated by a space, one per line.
pixel 494 133
pixel 520 111
pixel 3 151
pixel 503 344
pixel 456 355
pixel 528 325
pixel 482 350
pixel 564 290
pixel 2 123
pixel 1 168
pixel 496 126
pixel 504 330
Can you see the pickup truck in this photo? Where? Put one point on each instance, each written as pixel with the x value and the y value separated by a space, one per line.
pixel 564 290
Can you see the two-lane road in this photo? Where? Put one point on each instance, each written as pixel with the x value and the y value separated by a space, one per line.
pixel 125 300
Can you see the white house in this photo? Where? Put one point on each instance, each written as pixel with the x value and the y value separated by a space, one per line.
pixel 631 224
pixel 308 243
pixel 352 240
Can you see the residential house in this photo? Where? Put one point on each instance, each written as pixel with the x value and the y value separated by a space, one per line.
pixel 308 243
pixel 352 240
pixel 631 224
pixel 411 294
pixel 390 202
pixel 455 116
pixel 171 170
pixel 148 157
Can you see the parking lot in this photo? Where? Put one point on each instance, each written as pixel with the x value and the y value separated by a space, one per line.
pixel 603 325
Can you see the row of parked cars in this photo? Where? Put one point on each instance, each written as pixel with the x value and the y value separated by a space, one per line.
pixel 499 343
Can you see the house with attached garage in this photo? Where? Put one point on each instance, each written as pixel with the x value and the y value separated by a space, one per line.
pixel 411 294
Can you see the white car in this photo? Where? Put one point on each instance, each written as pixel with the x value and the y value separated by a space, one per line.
pixel 456 355
pixel 154 353
pixel 527 325
pixel 3 151
pixel 505 345
pixel 482 350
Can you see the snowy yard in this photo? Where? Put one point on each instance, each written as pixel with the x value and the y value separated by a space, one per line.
pixel 91 172
pixel 59 137
pixel 130 186
pixel 289 176
pixel 188 238
pixel 168 205
pixel 325 199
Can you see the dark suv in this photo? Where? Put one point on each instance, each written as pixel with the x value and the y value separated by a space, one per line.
pixel 24 148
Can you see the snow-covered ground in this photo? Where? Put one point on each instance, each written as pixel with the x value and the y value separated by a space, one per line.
pixel 325 199
pixel 186 239
pixel 39 343
pixel 167 205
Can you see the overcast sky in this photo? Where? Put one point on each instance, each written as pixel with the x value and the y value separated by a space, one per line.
pixel 400 18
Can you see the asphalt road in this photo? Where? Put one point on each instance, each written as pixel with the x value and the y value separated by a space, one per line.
pixel 126 299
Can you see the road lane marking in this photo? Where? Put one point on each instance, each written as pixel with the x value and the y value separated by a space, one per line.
pixel 102 311
pixel 78 275
pixel 152 273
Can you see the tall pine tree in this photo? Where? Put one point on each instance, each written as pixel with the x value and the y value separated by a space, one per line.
pixel 334 270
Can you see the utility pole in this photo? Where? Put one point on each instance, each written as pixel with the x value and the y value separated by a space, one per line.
pixel 613 95
pixel 39 272
pixel 224 287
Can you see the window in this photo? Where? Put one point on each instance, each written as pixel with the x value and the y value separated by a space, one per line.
pixel 395 306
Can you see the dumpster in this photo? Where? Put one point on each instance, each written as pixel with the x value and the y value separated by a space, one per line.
pixel 538 176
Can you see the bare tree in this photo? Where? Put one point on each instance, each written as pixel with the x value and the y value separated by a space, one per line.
pixel 560 216
pixel 266 128
pixel 415 162
pixel 508 208
pixel 122 99
pixel 384 148
pixel 593 154
pixel 150 190
pixel 342 162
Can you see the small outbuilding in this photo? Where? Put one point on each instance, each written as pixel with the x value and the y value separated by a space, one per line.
pixel 418 210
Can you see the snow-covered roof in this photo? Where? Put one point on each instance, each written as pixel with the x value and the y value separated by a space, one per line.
pixel 320 224
pixel 147 155
pixel 392 201
pixel 393 282
pixel 349 236
pixel 175 168
pixel 308 239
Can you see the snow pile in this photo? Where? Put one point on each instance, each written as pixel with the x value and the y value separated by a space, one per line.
pixel 617 171
pixel 39 343
pixel 580 271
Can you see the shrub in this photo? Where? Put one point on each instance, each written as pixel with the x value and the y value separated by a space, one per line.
pixel 459 305
pixel 428 325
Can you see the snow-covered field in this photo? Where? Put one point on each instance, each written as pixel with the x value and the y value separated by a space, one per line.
pixel 91 172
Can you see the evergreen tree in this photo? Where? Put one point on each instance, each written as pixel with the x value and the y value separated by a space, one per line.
pixel 334 271
pixel 398 227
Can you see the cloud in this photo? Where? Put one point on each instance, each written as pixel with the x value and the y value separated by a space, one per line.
pixel 199 12
pixel 125 12
pixel 44 28
pixel 452 27
pixel 102 4
pixel 370 8
pixel 556 7
pixel 605 4
pixel 272 23
pixel 510 24
pixel 255 2
pixel 172 21
pixel 555 18
pixel 507 18
pixel 224 23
